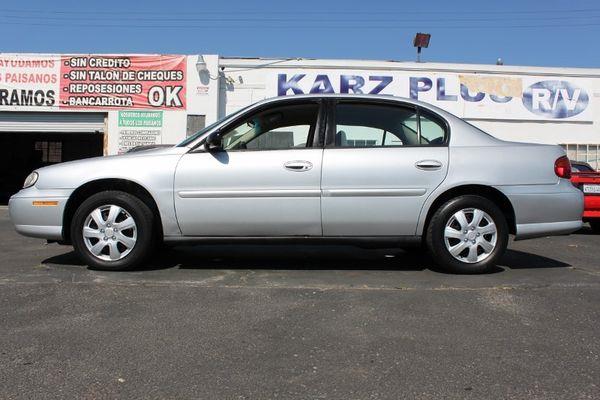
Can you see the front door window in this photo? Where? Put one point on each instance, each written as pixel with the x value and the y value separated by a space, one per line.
pixel 286 127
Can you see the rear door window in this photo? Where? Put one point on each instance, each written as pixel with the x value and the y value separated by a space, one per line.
pixel 382 125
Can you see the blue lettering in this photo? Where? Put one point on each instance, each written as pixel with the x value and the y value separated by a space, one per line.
pixel 555 99
pixel 351 83
pixel 283 85
pixel 441 91
pixel 419 85
pixel 464 93
pixel 384 81
pixel 322 85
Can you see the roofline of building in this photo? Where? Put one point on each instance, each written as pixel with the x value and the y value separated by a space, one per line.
pixel 393 65
pixel 250 63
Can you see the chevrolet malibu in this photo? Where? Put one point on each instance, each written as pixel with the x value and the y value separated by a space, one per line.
pixel 365 170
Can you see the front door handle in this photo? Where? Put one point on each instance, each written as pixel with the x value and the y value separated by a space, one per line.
pixel 428 165
pixel 298 166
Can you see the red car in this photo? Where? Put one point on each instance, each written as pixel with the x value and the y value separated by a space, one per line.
pixel 588 180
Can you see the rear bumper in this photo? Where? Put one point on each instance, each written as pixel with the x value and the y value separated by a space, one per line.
pixel 39 221
pixel 529 231
pixel 545 210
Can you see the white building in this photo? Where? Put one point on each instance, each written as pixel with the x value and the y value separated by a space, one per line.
pixel 57 107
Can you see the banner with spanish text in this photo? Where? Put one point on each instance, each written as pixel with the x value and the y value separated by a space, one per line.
pixel 123 81
pixel 47 82
pixel 29 82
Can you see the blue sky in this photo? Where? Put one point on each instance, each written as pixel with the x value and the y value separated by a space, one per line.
pixel 540 32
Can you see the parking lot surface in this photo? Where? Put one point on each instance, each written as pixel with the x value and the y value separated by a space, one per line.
pixel 305 322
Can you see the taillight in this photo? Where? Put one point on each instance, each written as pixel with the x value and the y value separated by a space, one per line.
pixel 562 167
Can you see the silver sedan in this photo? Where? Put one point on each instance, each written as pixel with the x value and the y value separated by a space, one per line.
pixel 366 170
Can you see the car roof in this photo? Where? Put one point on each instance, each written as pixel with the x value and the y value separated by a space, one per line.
pixel 469 134
pixel 354 96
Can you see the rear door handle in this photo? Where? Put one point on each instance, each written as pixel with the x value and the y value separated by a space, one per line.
pixel 428 165
pixel 298 166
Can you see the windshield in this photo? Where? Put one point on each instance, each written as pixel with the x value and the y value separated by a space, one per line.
pixel 202 131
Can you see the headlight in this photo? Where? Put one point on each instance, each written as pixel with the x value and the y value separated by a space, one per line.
pixel 30 180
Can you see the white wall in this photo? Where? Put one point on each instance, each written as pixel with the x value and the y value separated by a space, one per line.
pixel 218 86
pixel 203 87
pixel 251 80
pixel 202 98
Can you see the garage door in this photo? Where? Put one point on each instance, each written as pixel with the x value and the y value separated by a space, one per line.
pixel 31 140
pixel 51 122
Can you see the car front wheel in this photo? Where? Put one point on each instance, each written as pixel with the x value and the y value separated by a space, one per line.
pixel 112 230
pixel 467 234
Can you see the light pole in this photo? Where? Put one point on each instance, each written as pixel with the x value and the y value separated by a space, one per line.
pixel 421 40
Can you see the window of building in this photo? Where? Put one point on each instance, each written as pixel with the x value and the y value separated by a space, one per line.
pixel 195 123
pixel 589 153
pixel 50 152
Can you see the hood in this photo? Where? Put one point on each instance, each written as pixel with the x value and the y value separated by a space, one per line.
pixel 130 166
pixel 159 151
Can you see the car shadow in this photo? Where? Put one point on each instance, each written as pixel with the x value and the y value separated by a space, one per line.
pixel 586 230
pixel 304 257
pixel 515 259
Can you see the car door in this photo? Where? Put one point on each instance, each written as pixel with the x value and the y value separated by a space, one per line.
pixel 381 162
pixel 265 181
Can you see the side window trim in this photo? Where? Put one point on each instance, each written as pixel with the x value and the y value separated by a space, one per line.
pixel 318 139
pixel 330 123
pixel 418 112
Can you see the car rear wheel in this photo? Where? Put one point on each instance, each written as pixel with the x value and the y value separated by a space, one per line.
pixel 467 234
pixel 112 230
pixel 595 226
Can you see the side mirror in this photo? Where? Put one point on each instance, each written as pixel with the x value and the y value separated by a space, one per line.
pixel 213 142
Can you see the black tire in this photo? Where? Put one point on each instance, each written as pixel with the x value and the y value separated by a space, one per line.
pixel 595 226
pixel 144 221
pixel 436 241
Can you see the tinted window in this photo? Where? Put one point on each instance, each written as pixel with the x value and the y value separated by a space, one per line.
pixel 378 125
pixel 283 127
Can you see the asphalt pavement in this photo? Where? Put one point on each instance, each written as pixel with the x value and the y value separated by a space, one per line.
pixel 300 322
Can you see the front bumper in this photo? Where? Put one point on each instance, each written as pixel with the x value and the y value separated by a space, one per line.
pixel 39 221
